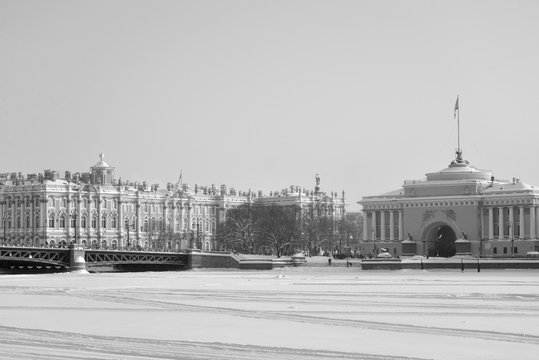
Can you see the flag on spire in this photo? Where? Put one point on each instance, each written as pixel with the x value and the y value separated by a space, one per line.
pixel 456 107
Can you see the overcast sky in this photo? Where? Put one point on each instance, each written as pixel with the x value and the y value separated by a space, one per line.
pixel 265 94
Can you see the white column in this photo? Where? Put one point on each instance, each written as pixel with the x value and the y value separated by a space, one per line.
pixel 365 227
pixel 490 223
pixel 532 222
pixel 79 218
pixel 521 222
pixel 120 224
pixel 173 217
pixel 401 228
pixel 383 225
pixel 373 227
pixel 500 222
pixel 511 234
pixel 391 225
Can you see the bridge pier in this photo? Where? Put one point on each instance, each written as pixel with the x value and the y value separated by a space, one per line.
pixel 76 258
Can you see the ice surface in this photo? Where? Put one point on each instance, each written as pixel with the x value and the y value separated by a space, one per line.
pixel 290 313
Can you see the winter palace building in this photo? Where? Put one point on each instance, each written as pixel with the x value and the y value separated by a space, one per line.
pixel 459 210
pixel 96 209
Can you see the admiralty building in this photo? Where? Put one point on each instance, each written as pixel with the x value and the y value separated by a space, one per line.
pixel 95 209
pixel 459 210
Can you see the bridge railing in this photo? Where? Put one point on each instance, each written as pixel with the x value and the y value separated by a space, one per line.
pixel 44 255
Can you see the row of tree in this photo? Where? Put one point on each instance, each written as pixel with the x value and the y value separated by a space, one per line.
pixel 284 230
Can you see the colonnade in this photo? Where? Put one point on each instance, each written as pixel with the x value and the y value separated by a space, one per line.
pixel 512 227
pixel 380 218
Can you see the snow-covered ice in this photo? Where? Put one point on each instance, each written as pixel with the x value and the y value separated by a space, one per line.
pixel 290 313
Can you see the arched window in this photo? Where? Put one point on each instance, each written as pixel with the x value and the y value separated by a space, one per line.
pixel 19 222
pixel 207 226
pixel 146 226
pixel 114 244
pixel 114 224
pixel 213 227
pixel 104 244
pixel 83 243
pixel 62 221
pixel 83 222
pixel 73 220
pixel 28 221
pixel 153 224
pixel 36 222
pixel 51 220
pixel 104 221
pixel 94 222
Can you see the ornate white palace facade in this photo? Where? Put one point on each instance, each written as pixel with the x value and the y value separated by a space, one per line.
pixel 95 210
pixel 460 210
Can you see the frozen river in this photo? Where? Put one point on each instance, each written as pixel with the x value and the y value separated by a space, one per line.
pixel 291 313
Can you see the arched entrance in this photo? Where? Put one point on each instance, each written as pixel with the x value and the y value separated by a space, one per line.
pixel 445 244
pixel 440 240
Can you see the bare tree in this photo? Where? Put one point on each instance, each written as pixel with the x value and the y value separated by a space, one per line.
pixel 279 227
pixel 240 230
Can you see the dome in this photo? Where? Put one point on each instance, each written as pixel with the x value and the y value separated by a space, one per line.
pixel 460 169
pixel 101 163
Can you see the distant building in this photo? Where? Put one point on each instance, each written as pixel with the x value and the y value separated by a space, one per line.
pixel 95 209
pixel 460 210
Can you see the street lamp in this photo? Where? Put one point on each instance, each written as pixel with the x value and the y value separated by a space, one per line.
pixel 4 239
pixel 127 226
pixel 373 241
pixel 512 240
pixel 437 237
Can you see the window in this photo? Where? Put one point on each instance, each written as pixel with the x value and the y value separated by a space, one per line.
pixel 505 250
pixel 19 222
pixel 104 221
pixel 114 223
pixel 83 223
pixel 62 221
pixel 495 250
pixel 146 225
pixel 51 221
pixel 515 250
pixel 73 220
pixel 94 222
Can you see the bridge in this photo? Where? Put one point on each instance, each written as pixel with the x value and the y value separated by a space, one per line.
pixel 78 258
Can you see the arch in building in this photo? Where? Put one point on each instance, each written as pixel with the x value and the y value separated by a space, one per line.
pixel 439 239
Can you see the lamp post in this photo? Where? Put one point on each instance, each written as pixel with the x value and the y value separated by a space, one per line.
pixel 4 239
pixel 373 241
pixel 512 239
pixel 438 236
pixel 127 226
